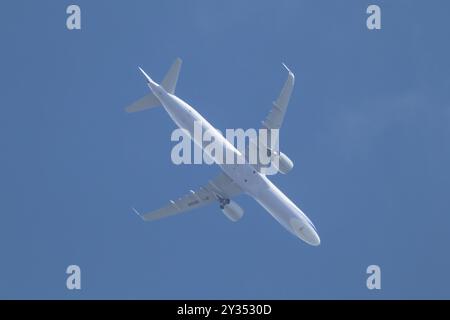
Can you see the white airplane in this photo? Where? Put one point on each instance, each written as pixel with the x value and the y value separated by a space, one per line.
pixel 235 178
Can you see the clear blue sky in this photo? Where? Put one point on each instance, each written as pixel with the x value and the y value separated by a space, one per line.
pixel 368 128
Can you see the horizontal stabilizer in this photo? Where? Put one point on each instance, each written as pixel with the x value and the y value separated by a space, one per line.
pixel 170 80
pixel 146 102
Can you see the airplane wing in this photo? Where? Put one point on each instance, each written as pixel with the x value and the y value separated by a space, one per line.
pixel 221 187
pixel 275 118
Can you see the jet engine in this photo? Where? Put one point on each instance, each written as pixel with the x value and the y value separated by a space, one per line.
pixel 284 163
pixel 232 210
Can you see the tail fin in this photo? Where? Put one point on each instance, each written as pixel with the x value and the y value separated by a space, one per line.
pixel 170 80
pixel 169 84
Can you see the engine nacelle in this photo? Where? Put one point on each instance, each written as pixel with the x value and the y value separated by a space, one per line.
pixel 284 163
pixel 233 211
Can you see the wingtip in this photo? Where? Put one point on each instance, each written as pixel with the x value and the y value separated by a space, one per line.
pixel 137 212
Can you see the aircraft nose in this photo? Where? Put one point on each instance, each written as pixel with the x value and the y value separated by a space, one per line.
pixel 315 240
pixel 311 235
pixel 305 232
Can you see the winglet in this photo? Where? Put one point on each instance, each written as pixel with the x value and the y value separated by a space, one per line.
pixel 135 211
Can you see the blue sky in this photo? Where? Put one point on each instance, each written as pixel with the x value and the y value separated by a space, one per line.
pixel 368 128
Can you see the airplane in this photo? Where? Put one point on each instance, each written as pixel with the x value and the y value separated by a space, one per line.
pixel 235 178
